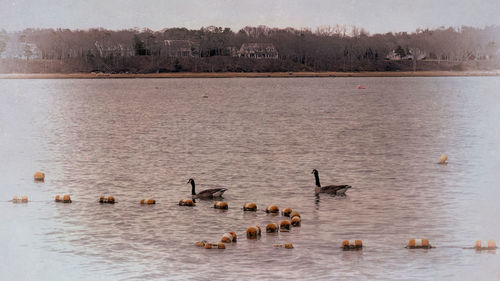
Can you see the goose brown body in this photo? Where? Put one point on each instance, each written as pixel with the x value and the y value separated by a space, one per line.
pixel 329 189
pixel 207 193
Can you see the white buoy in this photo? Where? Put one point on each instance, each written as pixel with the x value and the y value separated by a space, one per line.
pixel 352 244
pixel 419 244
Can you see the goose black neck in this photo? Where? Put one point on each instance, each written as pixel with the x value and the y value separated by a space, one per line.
pixel 192 188
pixel 316 176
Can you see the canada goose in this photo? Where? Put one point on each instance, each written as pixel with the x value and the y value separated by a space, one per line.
pixel 330 189
pixel 207 193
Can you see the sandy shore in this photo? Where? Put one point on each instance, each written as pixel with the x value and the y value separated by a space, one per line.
pixel 247 75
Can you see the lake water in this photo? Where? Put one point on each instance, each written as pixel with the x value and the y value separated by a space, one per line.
pixel 260 138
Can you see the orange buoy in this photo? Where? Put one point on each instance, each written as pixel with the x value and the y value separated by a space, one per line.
pixel 64 199
pixel 229 237
pixel 213 245
pixel 39 176
pixel 249 207
pixel 419 244
pixel 294 214
pixel 253 232
pixel 272 209
pixel 220 205
pixel 286 212
pixel 107 200
pixel 296 221
pixel 443 160
pixel 490 245
pixel 286 246
pixel 23 199
pixel 284 225
pixel 235 237
pixel 352 244
pixel 148 201
pixel 360 87
pixel 271 227
pixel 186 202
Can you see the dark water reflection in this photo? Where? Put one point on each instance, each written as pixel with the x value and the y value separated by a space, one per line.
pixel 260 138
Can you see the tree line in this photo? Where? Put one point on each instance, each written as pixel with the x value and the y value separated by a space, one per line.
pixel 327 48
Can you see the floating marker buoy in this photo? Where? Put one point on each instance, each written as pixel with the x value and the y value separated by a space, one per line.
pixel 286 212
pixel 352 244
pixel 271 227
pixel 65 199
pixel 186 202
pixel 253 232
pixel 201 243
pixel 272 209
pixel 294 214
pixel 443 159
pixel 215 246
pixel 286 246
pixel 419 244
pixel 229 237
pixel 107 200
pixel 220 205
pixel 284 225
pixel 23 199
pixel 39 176
pixel 296 221
pixel 148 201
pixel 360 87
pixel 490 245
pixel 249 207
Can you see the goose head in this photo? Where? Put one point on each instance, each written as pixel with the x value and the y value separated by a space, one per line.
pixel 315 172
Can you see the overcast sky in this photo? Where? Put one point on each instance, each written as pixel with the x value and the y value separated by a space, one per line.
pixel 377 16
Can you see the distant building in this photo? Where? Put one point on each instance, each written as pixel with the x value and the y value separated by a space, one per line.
pixel 105 50
pixel 258 51
pixel 180 48
pixel 21 50
pixel 393 56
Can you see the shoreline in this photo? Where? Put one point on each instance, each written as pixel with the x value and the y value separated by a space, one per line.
pixel 247 75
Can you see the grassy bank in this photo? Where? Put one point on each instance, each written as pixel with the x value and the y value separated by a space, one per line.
pixel 248 75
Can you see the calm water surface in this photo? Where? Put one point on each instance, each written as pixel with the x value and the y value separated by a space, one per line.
pixel 260 138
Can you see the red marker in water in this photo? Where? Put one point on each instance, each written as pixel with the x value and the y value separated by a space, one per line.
pixel 361 87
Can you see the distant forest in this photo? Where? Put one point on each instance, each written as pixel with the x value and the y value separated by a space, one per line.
pixel 251 49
